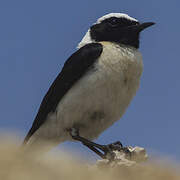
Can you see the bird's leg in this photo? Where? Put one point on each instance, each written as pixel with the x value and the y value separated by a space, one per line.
pixel 75 135
pixel 94 146
pixel 95 150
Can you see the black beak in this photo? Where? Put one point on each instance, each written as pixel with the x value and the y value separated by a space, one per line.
pixel 143 26
pixel 139 27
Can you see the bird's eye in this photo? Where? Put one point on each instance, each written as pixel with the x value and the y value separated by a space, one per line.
pixel 113 22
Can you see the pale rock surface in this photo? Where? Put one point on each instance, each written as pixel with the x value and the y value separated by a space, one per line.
pixel 124 158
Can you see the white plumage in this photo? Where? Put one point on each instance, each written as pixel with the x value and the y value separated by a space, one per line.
pixel 99 99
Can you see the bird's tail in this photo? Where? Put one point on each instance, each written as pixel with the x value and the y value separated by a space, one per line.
pixel 37 145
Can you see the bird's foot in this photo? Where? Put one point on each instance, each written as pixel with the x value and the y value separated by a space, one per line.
pixel 104 151
pixel 116 146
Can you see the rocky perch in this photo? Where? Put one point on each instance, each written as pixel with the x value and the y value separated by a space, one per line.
pixel 129 157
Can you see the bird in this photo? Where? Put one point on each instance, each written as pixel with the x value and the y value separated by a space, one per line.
pixel 94 87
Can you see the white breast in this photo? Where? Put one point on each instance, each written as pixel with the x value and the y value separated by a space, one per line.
pixel 100 98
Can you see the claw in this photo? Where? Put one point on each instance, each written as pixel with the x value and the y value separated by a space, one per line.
pixel 115 146
pixel 127 152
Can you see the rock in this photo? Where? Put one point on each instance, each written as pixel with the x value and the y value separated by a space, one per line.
pixel 127 157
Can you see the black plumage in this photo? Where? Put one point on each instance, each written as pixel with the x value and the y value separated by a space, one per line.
pixel 74 68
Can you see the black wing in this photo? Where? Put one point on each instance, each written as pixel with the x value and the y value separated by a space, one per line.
pixel 74 68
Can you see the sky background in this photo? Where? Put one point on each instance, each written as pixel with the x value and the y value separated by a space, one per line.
pixel 36 38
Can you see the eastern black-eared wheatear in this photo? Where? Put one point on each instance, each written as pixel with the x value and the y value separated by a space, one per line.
pixel 95 86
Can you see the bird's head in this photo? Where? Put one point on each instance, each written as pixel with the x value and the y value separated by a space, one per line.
pixel 115 27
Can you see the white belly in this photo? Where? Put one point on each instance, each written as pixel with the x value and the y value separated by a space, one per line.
pixel 99 99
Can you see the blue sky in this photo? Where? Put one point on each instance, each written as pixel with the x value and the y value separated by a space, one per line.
pixel 37 36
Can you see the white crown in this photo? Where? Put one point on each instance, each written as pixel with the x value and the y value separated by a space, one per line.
pixel 118 15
